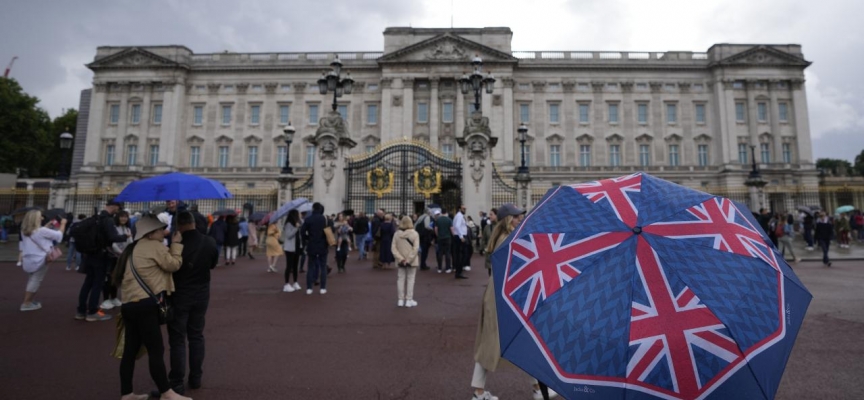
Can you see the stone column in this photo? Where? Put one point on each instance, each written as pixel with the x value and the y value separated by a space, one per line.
pixel 407 108
pixel 58 195
pixel 658 123
pixel 434 116
pixel 386 106
pixel 297 116
pixel 802 122
pixel 459 112
pixel 477 143
pixel 509 133
pixel 286 188
pixel 774 115
pixel 753 118
pixel 96 125
pixel 333 144
pixel 627 120
pixel 724 122
pixel 170 138
pixel 122 126
pixel 523 191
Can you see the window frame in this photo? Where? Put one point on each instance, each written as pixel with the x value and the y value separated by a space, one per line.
pixel 444 113
pixel 114 113
pixel 644 156
pixel 702 157
pixel 554 155
pixel 154 119
pixel 372 121
pixel 309 108
pixel 671 111
pixel 765 153
pixel 676 160
pixel 252 156
pixel 227 114
pixel 740 111
pixel 254 119
pixel 584 155
pixel 526 116
pixel 195 157
pixel 743 160
pixel 783 111
pixel 131 154
pixel 557 114
pixel 154 161
pixel 224 150
pixel 422 117
pixel 310 156
pixel 284 117
pixel 610 107
pixel 704 117
pixel 587 108
pixel 640 106
pixel 195 119
pixel 762 112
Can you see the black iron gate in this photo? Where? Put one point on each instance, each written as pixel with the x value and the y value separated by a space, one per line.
pixel 403 178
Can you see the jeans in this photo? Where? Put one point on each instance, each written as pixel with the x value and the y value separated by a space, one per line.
pixel 424 253
pixel 360 242
pixel 244 243
pixel 444 250
pixel 467 252
pixel 786 244
pixel 142 328
pixel 808 237
pixel 73 255
pixel 458 258
pixel 291 266
pixel 317 266
pixel 218 250
pixel 824 245
pixel 109 290
pixel 88 298
pixel 190 307
pixel 231 253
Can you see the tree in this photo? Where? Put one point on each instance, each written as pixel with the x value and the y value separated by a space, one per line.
pixel 859 163
pixel 834 165
pixel 52 164
pixel 24 131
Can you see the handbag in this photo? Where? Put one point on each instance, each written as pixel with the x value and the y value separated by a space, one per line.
pixel 331 240
pixel 50 255
pixel 166 312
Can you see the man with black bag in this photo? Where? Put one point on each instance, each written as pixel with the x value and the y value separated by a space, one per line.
pixel 190 301
pixel 93 237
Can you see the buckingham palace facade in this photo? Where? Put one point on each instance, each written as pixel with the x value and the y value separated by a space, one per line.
pixel 695 118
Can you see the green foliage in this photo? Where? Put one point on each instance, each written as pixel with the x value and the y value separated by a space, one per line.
pixel 834 166
pixel 29 140
pixel 859 163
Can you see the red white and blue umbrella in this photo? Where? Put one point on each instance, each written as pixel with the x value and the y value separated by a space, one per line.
pixel 635 287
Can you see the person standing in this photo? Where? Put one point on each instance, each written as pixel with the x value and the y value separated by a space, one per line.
pixel 342 230
pixel 361 229
pixel 387 230
pixel 462 244
pixel 232 239
pixel 492 219
pixel 218 231
pixel 823 236
pixel 785 238
pixel 153 263
pixel 376 237
pixel 201 223
pixel 37 242
pixel 290 244
pixel 312 232
pixel 190 301
pixel 443 232
pixel 96 265
pixel 252 244
pixel 109 291
pixel 274 248
pixel 842 231
pixel 807 227
pixel 423 227
pixel 405 248
pixel 73 253
pixel 244 237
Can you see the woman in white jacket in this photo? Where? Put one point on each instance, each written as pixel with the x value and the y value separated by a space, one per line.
pixel 37 242
pixel 406 245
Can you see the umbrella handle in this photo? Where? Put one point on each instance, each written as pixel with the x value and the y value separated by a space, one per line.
pixel 544 390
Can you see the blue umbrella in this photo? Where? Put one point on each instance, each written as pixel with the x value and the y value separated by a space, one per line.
pixel 173 186
pixel 635 287
pixel 290 205
pixel 844 209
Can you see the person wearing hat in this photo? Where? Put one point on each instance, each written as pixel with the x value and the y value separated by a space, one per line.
pixel 96 266
pixel 487 348
pixel 154 263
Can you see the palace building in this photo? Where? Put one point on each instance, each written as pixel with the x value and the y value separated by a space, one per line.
pixel 406 135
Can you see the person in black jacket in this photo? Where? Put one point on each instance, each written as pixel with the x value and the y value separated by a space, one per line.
pixel 200 219
pixel 218 231
pixel 96 266
pixel 232 239
pixel 824 234
pixel 361 229
pixel 312 232
pixel 190 301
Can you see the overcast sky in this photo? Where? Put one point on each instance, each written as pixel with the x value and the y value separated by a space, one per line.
pixel 54 39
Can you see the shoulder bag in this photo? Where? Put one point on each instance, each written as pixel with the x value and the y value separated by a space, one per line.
pixel 50 255
pixel 166 312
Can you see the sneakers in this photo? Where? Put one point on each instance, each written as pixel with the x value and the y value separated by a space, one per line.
pixel 117 302
pixel 410 303
pixel 467 268
pixel 323 291
pixel 485 396
pixel 538 395
pixel 33 306
pixel 308 291
pixel 448 271
pixel 18 264
pixel 288 288
pixel 107 304
pixel 68 267
pixel 400 303
pixel 80 317
pixel 98 317
pixel 296 286
pixel 439 270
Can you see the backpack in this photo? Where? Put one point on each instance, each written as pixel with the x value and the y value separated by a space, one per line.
pixel 778 230
pixel 421 227
pixel 87 235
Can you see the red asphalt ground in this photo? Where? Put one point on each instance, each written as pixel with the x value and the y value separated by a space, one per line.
pixel 353 342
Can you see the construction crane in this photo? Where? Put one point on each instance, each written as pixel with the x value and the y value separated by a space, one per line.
pixel 9 68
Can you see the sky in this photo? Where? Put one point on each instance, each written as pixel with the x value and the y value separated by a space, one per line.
pixel 54 39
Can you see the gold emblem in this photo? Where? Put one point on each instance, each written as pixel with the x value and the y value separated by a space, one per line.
pixel 380 181
pixel 427 181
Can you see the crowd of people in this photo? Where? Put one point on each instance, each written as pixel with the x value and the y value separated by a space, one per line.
pixel 816 228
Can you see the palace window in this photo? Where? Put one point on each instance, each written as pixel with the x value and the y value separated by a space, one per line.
pixel 585 155
pixel 703 155
pixel 642 112
pixel 131 154
pixel 584 113
pixel 671 113
pixel 787 153
pixel 422 113
pixel 109 155
pixel 255 118
pixel 136 113
pixel 199 115
pixel 762 112
pixel 372 114
pixel 447 149
pixel 157 114
pixel 310 156
pixel 223 156
pixel 783 109
pixel 281 155
pixel 253 156
pixel 524 113
pixel 740 112
pixel 313 114
pixel 226 115
pixel 700 113
pixel 343 111
pixel 613 113
pixel 673 155
pixel 154 154
pixel 644 155
pixel 555 155
pixel 553 113
pixel 115 113
pixel 447 112
pixel 615 155
pixel 765 150
pixel 195 157
pixel 527 155
pixel 284 114
pixel 742 153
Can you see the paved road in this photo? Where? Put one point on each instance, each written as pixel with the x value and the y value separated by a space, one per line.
pixel 354 343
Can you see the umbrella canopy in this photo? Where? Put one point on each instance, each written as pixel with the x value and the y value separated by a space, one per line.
pixel 267 218
pixel 636 287
pixel 305 207
pixel 225 212
pixel 173 186
pixel 288 206
pixel 54 213
pixel 24 210
pixel 257 216
pixel 806 210
pixel 844 209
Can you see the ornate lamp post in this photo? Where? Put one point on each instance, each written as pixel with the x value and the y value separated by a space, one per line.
pixel 755 183
pixel 333 81
pixel 523 174
pixel 476 81
pixel 523 132
pixel 289 137
pixel 66 139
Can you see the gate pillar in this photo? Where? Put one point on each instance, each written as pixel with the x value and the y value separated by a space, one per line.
pixel 332 145
pixel 477 143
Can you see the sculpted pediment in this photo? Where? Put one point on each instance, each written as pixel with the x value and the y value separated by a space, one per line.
pixel 763 56
pixel 446 48
pixel 195 139
pixel 134 57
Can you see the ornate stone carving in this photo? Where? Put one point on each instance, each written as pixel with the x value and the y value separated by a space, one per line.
pixel 213 88
pixel 508 82
pixel 568 86
pixel 328 169
pixel 478 166
pixel 598 86
pixel 496 100
pixel 359 87
pixel 333 124
pixel 136 59
pixel 299 87
pixel 627 87
pixel 386 83
pixel 100 87
pixel 656 87
pixel 539 86
pixel 684 87
pixel 476 123
pixel 189 88
pixel 397 101
pixel 797 83
pixel 446 51
pixel 242 88
pixel 270 87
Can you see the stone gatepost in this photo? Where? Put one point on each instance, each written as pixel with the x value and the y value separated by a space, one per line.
pixel 523 190
pixel 59 194
pixel 286 188
pixel 477 143
pixel 332 145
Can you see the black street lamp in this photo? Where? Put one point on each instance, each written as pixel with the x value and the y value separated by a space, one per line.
pixel 289 137
pixel 66 139
pixel 754 172
pixel 523 132
pixel 476 81
pixel 333 81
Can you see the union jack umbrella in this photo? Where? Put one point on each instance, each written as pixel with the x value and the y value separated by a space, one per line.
pixel 635 287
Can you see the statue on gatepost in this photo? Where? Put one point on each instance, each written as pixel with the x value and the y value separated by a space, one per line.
pixel 477 142
pixel 333 124
pixel 333 142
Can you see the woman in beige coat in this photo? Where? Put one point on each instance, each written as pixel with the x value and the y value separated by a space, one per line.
pixel 405 247
pixel 487 347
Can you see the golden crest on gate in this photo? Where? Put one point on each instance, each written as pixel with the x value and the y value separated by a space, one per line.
pixel 427 181
pixel 379 181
